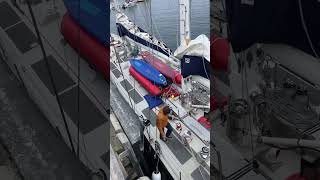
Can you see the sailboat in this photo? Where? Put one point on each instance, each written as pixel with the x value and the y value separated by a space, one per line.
pixel 143 39
pixel 270 130
pixel 186 91
pixel 52 63
pixel 129 3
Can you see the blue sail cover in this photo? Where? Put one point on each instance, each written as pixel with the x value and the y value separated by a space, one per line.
pixel 94 17
pixel 125 32
pixel 195 65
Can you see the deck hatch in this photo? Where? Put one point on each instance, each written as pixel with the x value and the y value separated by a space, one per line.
pixel 22 37
pixel 178 149
pixel 7 15
pixel 60 77
pixel 126 85
pixel 135 96
pixel 203 175
pixel 90 116
pixel 112 66
pixel 116 73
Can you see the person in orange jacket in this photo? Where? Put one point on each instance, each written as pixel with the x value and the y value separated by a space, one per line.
pixel 163 122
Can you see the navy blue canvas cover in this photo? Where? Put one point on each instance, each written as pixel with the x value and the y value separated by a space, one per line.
pixel 94 17
pixel 273 21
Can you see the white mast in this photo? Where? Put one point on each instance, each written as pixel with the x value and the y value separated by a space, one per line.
pixel 184 8
pixel 184 21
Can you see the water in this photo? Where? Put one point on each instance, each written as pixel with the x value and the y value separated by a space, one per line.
pixel 165 17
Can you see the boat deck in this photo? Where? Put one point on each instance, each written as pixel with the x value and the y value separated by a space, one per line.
pixel 24 57
pixel 176 156
pixel 288 162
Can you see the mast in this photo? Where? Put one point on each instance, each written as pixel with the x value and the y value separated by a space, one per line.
pixel 184 8
pixel 184 21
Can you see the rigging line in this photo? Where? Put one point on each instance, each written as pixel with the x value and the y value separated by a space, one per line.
pixel 203 63
pixel 152 56
pixel 135 26
pixel 147 26
pixel 250 115
pixel 135 44
pixel 65 59
pixel 145 18
pixel 134 96
pixel 78 78
pixel 69 68
pixel 90 163
pixel 306 29
pixel 50 74
pixel 177 32
pixel 160 39
pixel 153 24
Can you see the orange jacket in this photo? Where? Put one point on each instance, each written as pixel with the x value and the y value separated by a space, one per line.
pixel 162 121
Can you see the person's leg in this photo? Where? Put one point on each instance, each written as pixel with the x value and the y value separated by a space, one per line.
pixel 169 130
pixel 162 137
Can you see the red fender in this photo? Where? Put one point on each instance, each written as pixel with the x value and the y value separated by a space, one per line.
pixel 220 52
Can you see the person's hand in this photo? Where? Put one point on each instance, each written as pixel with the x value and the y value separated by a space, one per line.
pixel 175 115
pixel 175 118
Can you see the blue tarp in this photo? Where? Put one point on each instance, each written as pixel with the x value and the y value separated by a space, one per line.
pixel 153 101
pixel 94 17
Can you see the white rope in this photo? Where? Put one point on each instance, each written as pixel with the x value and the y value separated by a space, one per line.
pixel 306 29
pixel 203 62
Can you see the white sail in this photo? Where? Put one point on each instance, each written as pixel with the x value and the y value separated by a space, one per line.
pixel 200 46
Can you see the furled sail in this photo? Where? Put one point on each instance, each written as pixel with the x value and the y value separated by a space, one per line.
pixel 195 57
pixel 199 46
